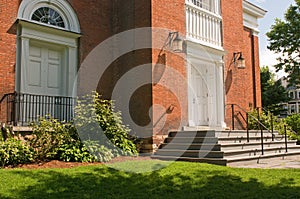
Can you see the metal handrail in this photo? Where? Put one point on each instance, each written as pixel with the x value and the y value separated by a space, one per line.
pixel 5 96
pixel 261 125
pixel 257 120
pixel 24 108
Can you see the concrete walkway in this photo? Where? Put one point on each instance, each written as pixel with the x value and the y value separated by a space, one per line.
pixel 288 162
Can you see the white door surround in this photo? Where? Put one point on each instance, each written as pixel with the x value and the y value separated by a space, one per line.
pixel 47 54
pixel 205 86
pixel 59 44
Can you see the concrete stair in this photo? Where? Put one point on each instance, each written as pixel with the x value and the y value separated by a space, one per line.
pixel 223 147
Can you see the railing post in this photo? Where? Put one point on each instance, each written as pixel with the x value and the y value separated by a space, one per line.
pixel 272 126
pixel 262 139
pixel 247 127
pixel 285 139
pixel 232 116
pixel 258 118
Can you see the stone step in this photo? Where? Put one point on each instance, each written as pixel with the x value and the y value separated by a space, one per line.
pixel 192 134
pixel 22 129
pixel 216 161
pixel 221 147
pixel 190 140
pixel 227 140
pixel 187 146
pixel 257 152
pixel 254 145
pixel 232 160
pixel 252 133
pixel 189 153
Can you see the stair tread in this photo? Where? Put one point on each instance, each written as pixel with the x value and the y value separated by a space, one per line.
pixel 256 143
pixel 187 150
pixel 221 153
pixel 182 157
pixel 261 156
pixel 190 144
pixel 259 149
pixel 245 137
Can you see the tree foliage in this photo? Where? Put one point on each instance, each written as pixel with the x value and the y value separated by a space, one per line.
pixel 284 38
pixel 273 93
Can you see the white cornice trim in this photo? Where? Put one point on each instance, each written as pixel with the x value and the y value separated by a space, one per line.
pixel 251 14
pixel 253 9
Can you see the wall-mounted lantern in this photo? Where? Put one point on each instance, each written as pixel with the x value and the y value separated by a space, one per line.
pixel 239 60
pixel 175 42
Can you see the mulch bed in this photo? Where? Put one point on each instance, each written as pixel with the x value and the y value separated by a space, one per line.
pixel 61 164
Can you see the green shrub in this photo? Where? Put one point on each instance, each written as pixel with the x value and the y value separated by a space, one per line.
pixel 92 112
pixel 292 123
pixel 56 140
pixel 49 135
pixel 100 152
pixel 75 152
pixel 13 152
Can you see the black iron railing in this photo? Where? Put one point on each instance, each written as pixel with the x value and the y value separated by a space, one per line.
pixel 23 109
pixel 260 125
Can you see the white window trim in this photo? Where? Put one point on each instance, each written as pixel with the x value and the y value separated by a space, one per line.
pixel 28 7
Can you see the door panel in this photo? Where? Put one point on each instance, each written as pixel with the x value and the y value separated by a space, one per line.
pixel 34 73
pixel 200 87
pixel 45 73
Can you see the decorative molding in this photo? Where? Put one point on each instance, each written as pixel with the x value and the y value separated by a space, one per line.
pixel 208 53
pixel 251 14
pixel 28 7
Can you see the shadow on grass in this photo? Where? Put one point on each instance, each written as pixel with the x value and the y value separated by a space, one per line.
pixel 171 182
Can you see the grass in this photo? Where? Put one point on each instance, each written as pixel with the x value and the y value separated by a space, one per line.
pixel 177 180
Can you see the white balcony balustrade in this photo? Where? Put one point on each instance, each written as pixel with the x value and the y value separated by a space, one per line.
pixel 204 22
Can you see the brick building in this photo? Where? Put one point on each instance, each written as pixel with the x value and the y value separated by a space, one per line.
pixel 45 44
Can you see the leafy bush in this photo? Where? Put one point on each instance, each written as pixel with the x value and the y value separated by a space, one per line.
pixel 292 123
pixel 75 152
pixel 52 139
pixel 101 153
pixel 13 152
pixel 97 120
pixel 263 118
pixel 49 135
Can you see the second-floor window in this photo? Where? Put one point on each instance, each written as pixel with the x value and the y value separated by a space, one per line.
pixel 292 95
pixel 48 16
pixel 210 5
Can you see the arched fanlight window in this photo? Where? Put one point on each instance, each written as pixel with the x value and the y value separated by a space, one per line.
pixel 48 16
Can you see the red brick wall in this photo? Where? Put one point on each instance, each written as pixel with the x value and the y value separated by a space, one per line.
pixel 171 16
pixel 8 14
pixel 95 23
pixel 242 86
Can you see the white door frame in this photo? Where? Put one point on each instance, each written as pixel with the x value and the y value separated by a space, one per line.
pixel 197 56
pixel 28 32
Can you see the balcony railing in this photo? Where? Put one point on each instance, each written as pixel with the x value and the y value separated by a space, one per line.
pixel 22 109
pixel 203 25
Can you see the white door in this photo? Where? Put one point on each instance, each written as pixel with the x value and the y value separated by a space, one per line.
pixel 200 95
pixel 44 82
pixel 45 71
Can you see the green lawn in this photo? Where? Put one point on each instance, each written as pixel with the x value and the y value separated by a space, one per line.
pixel 177 180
